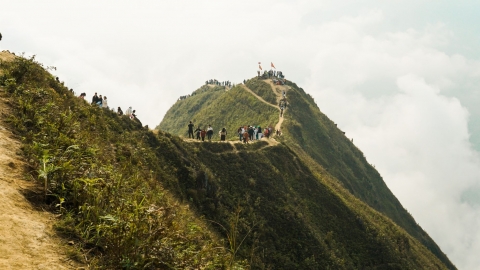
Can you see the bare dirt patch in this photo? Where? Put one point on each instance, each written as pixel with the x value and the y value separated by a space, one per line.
pixel 27 238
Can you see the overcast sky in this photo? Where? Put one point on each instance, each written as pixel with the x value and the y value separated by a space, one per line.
pixel 400 77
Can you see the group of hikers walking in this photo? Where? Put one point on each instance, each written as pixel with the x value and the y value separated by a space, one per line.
pixel 200 134
pixel 98 100
pixel 245 133
pixel 252 133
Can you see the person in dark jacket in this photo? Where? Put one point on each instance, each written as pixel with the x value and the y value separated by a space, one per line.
pixel 223 134
pixel 250 133
pixel 190 130
pixel 197 132
pixel 95 99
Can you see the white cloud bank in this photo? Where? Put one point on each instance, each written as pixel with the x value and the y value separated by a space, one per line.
pixel 392 93
pixel 400 92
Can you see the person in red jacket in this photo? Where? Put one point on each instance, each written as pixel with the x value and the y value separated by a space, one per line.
pixel 202 134
pixel 245 137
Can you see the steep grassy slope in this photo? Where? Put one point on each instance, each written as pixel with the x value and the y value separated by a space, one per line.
pixel 311 135
pixel 299 221
pixel 106 175
pixel 231 109
pixel 135 200
pixel 261 88
pixel 309 130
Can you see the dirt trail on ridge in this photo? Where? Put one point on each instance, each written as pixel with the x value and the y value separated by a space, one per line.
pixel 27 238
pixel 278 126
pixel 278 91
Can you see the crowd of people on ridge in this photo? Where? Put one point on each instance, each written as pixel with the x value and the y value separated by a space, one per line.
pixel 98 100
pixel 216 82
pixel 225 84
pixel 277 76
pixel 245 133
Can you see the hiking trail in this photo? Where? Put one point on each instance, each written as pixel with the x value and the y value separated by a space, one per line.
pixel 277 90
pixel 27 237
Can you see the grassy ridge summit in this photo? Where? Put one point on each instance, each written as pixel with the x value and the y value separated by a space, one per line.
pixel 132 199
pixel 312 136
pixel 220 108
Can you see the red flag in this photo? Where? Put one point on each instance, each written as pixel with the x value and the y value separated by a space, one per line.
pixel 271 63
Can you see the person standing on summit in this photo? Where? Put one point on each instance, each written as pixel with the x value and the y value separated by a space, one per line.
pixel 190 130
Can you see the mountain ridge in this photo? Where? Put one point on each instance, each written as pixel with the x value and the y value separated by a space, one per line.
pixel 132 199
pixel 338 156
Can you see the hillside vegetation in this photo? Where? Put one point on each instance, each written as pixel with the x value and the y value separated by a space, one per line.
pixel 133 199
pixel 309 130
pixel 107 175
pixel 219 108
pixel 317 140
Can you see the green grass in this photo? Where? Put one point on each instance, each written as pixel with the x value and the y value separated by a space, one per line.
pixel 230 109
pixel 311 131
pixel 262 89
pixel 134 199
pixel 107 175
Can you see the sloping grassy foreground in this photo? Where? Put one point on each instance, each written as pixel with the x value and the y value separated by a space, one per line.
pixel 136 200
pixel 106 174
